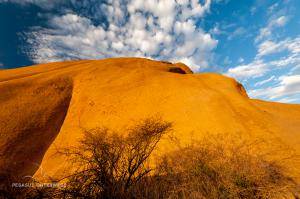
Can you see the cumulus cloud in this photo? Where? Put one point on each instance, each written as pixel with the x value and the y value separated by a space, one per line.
pixel 287 87
pixel 161 29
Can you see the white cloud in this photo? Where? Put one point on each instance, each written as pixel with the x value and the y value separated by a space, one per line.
pixel 272 8
pixel 296 69
pixel 285 82
pixel 215 30
pixel 258 67
pixel 289 99
pixel 161 29
pixel 281 21
pixel 288 86
pixel 275 22
pixel 227 61
pixel 270 79
pixel 255 69
pixel 238 32
pixel 241 60
pixel 270 47
pixel 47 4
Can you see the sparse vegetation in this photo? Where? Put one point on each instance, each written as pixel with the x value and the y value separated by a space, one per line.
pixel 216 168
pixel 110 165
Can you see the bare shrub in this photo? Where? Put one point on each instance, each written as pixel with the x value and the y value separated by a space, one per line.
pixel 108 164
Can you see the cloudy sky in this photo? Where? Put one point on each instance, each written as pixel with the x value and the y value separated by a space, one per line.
pixel 255 41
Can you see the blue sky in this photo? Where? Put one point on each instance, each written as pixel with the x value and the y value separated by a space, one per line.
pixel 257 42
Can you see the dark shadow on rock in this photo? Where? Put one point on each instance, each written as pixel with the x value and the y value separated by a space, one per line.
pixel 36 125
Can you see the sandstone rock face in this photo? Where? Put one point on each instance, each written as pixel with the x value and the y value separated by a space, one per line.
pixel 46 106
